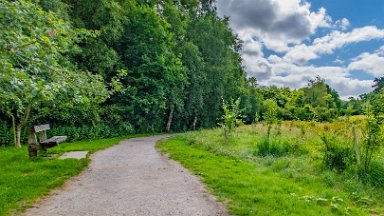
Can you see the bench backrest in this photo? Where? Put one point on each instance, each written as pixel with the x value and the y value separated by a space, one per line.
pixel 40 128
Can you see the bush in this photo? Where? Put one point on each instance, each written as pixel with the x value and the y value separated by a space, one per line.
pixel 374 174
pixel 336 156
pixel 91 132
pixel 6 135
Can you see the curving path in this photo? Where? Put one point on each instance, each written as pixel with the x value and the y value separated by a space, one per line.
pixel 131 178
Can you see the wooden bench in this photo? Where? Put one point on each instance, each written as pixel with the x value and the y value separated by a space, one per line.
pixel 41 131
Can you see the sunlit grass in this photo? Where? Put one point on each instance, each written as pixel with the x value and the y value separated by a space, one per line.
pixel 293 184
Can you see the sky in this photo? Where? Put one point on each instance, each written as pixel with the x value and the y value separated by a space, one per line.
pixel 288 42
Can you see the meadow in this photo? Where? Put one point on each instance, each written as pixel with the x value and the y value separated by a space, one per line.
pixel 291 173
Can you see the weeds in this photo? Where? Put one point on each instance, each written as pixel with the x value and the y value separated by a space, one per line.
pixel 252 172
pixel 276 148
pixel 336 156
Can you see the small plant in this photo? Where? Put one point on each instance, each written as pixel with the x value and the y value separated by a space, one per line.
pixel 257 117
pixel 270 114
pixel 372 136
pixel 276 148
pixel 230 117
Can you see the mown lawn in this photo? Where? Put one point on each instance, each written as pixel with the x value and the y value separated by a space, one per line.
pixel 295 183
pixel 23 180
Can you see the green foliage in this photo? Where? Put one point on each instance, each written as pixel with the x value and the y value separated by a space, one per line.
pixel 275 148
pixel 270 114
pixel 6 137
pixel 373 133
pixel 174 79
pixel 92 132
pixel 374 175
pixel 36 75
pixel 337 154
pixel 230 118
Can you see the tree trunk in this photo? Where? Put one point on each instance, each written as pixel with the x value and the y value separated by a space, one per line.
pixel 194 123
pixel 18 135
pixel 19 123
pixel 14 130
pixel 170 118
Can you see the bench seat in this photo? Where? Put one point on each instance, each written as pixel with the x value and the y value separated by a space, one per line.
pixel 53 141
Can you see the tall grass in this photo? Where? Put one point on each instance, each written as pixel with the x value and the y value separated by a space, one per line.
pixel 295 172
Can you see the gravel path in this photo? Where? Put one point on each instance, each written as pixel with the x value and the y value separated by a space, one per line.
pixel 131 178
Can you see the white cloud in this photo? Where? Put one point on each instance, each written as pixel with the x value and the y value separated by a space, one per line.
pixel 329 43
pixel 342 24
pixel 371 63
pixel 338 61
pixel 294 76
pixel 287 27
pixel 253 48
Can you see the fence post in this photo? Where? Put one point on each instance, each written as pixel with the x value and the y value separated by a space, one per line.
pixel 358 161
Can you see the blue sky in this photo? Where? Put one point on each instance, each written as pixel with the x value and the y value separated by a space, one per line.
pixel 358 12
pixel 288 42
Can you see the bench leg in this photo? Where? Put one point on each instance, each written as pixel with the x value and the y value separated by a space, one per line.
pixel 43 148
pixel 32 151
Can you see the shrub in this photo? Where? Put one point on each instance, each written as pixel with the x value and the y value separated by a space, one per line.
pixel 374 175
pixel 91 132
pixel 6 136
pixel 373 134
pixel 230 117
pixel 336 156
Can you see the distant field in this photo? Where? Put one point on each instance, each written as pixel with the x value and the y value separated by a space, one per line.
pixel 288 178
pixel 23 180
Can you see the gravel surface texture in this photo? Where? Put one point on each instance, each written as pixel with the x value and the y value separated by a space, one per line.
pixel 131 178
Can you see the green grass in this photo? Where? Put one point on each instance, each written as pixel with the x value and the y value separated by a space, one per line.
pixel 291 184
pixel 23 180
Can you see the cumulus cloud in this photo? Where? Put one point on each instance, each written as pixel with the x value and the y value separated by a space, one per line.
pixel 328 44
pixel 371 63
pixel 295 76
pixel 274 22
pixel 289 29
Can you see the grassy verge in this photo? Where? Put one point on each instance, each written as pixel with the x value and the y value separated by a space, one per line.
pixel 295 183
pixel 23 180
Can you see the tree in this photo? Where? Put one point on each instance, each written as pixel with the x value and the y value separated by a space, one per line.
pixel 322 98
pixel 194 92
pixel 224 75
pixel 270 114
pixel 34 69
pixel 378 84
pixel 373 132
pixel 230 119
